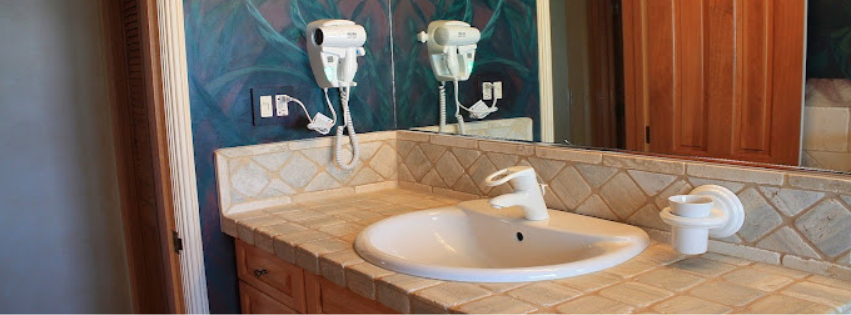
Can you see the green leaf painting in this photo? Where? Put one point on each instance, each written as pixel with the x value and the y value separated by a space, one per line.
pixel 829 39
pixel 508 51
pixel 235 45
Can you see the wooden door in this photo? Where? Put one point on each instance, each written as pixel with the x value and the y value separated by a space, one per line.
pixel 141 145
pixel 715 78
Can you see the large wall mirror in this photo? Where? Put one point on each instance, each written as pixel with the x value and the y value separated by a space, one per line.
pixel 746 81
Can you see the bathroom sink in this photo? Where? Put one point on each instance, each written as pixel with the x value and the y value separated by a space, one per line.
pixel 472 241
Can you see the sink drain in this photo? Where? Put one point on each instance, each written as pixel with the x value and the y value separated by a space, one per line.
pixel 519 236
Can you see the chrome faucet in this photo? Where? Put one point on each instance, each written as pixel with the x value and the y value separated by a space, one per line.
pixel 528 194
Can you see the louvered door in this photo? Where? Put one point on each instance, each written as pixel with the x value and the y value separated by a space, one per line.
pixel 143 156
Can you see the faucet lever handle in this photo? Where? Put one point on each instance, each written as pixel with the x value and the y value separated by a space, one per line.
pixel 544 189
pixel 510 173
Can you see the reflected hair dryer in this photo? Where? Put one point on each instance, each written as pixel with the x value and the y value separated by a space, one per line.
pixel 451 49
pixel 333 47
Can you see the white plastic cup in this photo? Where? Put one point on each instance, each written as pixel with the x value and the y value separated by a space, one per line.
pixel 691 206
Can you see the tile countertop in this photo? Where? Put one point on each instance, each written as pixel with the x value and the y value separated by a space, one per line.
pixel 318 236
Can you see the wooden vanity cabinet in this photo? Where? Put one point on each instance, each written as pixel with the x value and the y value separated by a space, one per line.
pixel 268 284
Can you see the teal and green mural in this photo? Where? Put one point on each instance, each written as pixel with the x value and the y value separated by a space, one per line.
pixel 507 51
pixel 829 39
pixel 235 45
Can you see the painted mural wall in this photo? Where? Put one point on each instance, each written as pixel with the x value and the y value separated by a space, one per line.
pixel 236 45
pixel 507 51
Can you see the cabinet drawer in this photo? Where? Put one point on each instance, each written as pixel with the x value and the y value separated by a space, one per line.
pixel 271 275
pixel 325 297
pixel 255 302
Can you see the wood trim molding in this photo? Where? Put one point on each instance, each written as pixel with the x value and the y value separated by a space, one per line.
pixel 181 152
pixel 545 71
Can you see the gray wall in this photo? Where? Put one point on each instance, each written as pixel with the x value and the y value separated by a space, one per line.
pixel 61 238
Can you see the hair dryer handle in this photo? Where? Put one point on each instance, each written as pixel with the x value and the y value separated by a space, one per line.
pixel 349 65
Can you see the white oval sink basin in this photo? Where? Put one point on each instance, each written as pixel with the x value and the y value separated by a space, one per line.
pixel 474 242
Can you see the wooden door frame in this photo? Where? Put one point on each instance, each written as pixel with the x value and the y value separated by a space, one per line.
pixel 163 22
pixel 545 71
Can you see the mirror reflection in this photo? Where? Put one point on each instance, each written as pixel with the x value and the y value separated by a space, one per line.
pixel 759 81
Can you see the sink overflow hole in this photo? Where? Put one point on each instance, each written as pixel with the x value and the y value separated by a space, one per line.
pixel 519 236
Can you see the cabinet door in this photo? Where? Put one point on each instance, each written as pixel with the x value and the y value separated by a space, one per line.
pixel 715 78
pixel 271 275
pixel 255 302
pixel 325 297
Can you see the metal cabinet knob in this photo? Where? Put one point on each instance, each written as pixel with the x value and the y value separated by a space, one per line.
pixel 260 272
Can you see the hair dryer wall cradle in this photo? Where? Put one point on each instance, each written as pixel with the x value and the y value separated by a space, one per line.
pixel 333 47
pixel 452 54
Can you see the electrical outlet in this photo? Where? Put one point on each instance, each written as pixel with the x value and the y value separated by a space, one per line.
pixel 266 106
pixel 497 90
pixel 281 105
pixel 487 91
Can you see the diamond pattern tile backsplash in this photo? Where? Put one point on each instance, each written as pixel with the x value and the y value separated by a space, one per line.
pixel 798 219
pixel 805 215
pixel 271 174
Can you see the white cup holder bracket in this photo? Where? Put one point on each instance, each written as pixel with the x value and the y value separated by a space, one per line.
pixel 708 210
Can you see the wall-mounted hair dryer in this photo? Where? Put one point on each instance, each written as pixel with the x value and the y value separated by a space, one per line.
pixel 333 47
pixel 451 49
pixel 452 54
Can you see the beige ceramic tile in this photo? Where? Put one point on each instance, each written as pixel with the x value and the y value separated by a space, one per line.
pixel 703 267
pixel 393 290
pixel 499 287
pixel 736 174
pixel 670 279
pixel 360 278
pixel 570 155
pixel 450 294
pixel 635 294
pixel 496 305
pixel 726 293
pixel 623 195
pixel 594 305
pixel 570 188
pixel 831 282
pixel 285 244
pixel 818 267
pixel 747 252
pixel 632 268
pixel 758 279
pixel 726 259
pixel 779 304
pixel 506 147
pixel 590 282
pixel 412 135
pixel 787 240
pixel 834 297
pixel 596 175
pixel 307 254
pixel 819 182
pixel 690 305
pixel 661 254
pixel 332 266
pixel 790 202
pixel 760 216
pixel 544 293
pixel 647 164
pixel 341 229
pixel 827 226
pixel 454 141
pixel 651 183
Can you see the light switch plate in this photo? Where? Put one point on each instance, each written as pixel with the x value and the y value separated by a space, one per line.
pixel 265 106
